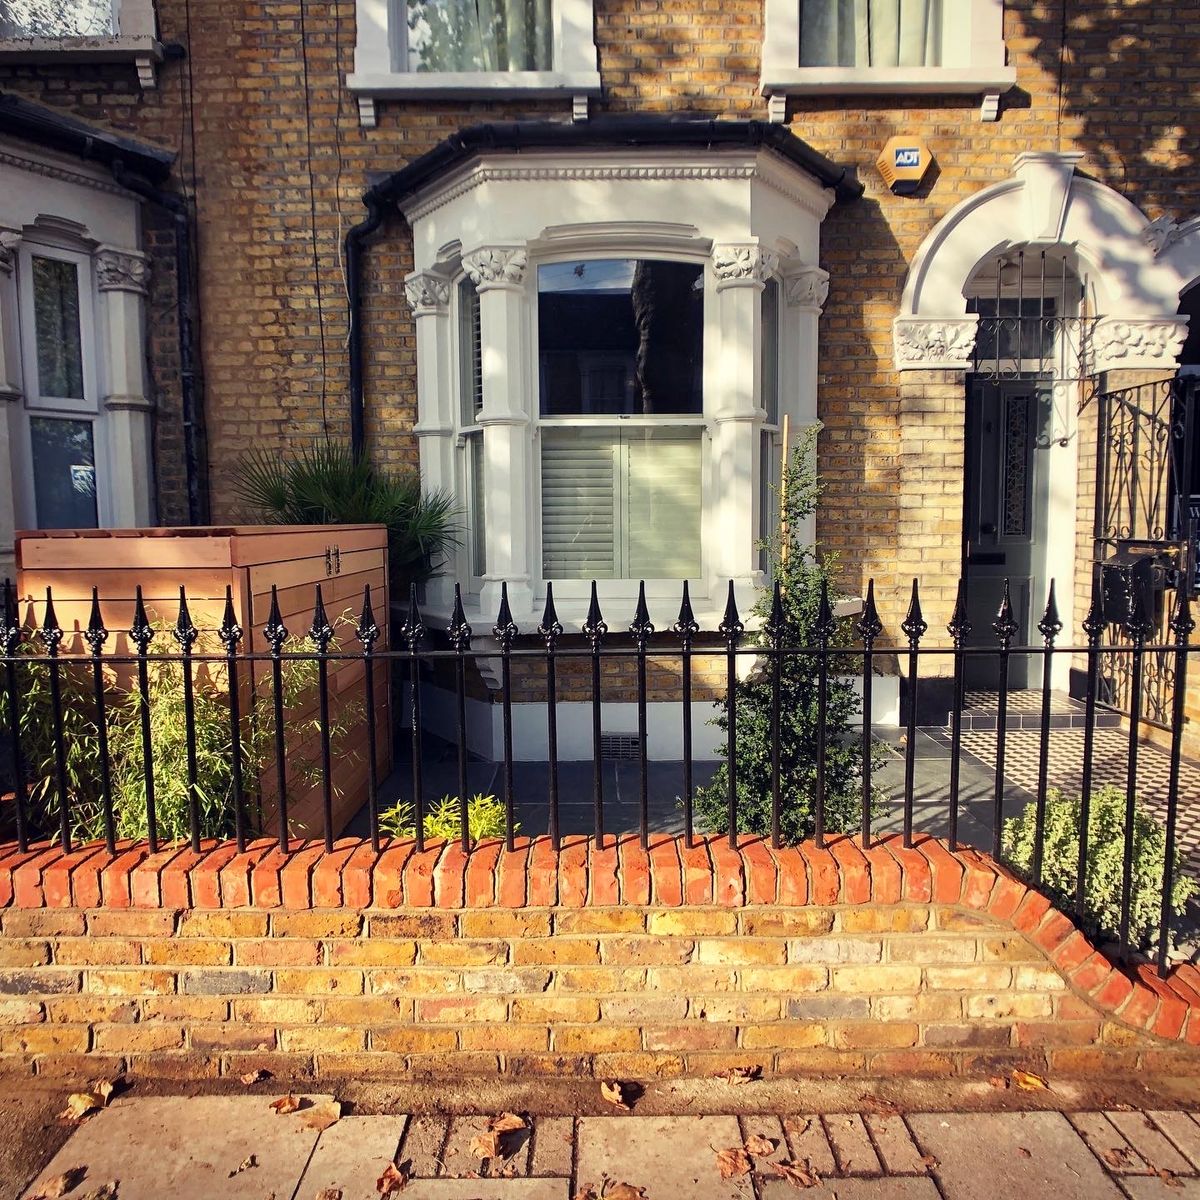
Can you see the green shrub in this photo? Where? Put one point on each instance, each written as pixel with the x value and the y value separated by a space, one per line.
pixel 800 573
pixel 326 484
pixel 168 744
pixel 1105 859
pixel 485 819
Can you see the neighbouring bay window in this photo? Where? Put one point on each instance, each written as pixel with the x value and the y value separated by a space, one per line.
pixel 620 369
pixel 470 375
pixel 871 33
pixel 57 18
pixel 479 35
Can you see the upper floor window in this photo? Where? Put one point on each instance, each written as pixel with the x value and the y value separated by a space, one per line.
pixel 870 33
pixel 57 18
pixel 476 49
pixel 884 47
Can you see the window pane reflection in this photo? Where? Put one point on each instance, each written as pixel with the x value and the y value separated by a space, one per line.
pixel 56 326
pixel 64 473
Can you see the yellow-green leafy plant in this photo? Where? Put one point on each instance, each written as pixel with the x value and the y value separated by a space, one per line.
pixel 1105 861
pixel 485 819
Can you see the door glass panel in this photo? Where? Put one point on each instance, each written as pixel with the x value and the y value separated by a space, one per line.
pixel 56 328
pixel 64 473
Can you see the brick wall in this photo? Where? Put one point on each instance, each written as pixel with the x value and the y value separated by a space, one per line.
pixel 595 962
pixel 273 305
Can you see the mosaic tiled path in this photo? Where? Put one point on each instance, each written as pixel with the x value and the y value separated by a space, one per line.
pixel 213 1146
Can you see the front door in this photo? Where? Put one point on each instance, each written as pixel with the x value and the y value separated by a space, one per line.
pixel 1007 493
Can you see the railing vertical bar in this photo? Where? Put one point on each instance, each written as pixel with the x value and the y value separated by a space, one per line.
pixel 1093 627
pixel 51 635
pixel 731 629
pixel 1050 626
pixel 506 631
pixel 10 638
pixel 185 634
pixel 276 635
pixel 594 630
pixel 367 633
pixel 641 629
pixel 824 628
pixel 687 627
pixel 321 634
pixel 230 634
pixel 460 639
pixel 1182 626
pixel 550 630
pixel 914 627
pixel 142 633
pixel 775 634
pixel 413 633
pixel 959 629
pixel 869 627
pixel 1138 628
pixel 96 635
pixel 1006 627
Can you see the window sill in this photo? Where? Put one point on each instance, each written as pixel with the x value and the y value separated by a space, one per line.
pixel 472 85
pixel 810 81
pixel 140 49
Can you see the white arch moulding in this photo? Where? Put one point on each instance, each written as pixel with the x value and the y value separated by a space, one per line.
pixel 1133 269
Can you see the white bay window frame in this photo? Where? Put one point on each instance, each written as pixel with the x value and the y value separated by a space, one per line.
pixel 381 69
pixel 972 60
pixel 754 216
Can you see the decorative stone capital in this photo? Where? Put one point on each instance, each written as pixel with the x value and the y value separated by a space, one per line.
pixel 121 270
pixel 807 288
pixel 743 265
pixel 1146 342
pixel 1162 232
pixel 10 239
pixel 496 266
pixel 934 343
pixel 427 292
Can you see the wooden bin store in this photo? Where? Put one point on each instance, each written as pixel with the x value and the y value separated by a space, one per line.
pixel 249 560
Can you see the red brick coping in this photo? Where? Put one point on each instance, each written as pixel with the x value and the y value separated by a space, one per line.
pixel 668 875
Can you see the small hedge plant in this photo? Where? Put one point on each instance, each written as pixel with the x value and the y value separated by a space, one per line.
pixel 1105 858
pixel 485 819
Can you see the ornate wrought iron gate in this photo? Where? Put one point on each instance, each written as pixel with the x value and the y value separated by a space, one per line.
pixel 1147 510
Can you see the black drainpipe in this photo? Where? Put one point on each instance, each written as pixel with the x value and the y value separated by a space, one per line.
pixel 355 238
pixel 189 383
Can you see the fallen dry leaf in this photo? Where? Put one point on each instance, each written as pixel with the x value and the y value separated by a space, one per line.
pixel 587 1192
pixel 1167 1178
pixel 79 1104
pixel 733 1161
pixel 1023 1152
pixel 60 1185
pixel 1119 1157
pixel 392 1180
pixel 796 1125
pixel 486 1145
pixel 616 1093
pixel 1000 1082
pixel 930 1162
pixel 1027 1081
pixel 760 1146
pixel 249 1161
pixel 106 1191
pixel 329 1194
pixel 506 1123
pixel 879 1106
pixel 286 1104
pixel 742 1074
pixel 322 1115
pixel 103 1090
pixel 256 1076
pixel 623 1191
pixel 797 1175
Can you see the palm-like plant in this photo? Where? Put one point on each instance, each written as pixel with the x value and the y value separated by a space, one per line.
pixel 327 484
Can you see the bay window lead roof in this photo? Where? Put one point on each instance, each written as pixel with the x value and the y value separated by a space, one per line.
pixel 612 133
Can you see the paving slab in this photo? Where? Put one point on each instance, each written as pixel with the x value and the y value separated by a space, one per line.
pixel 806 1137
pixel 352 1155
pixel 484 1189
pixel 985 1155
pixel 851 1145
pixel 1182 1130
pixel 422 1146
pixel 673 1158
pixel 553 1146
pixel 1151 1187
pixel 899 1188
pixel 1149 1142
pixel 894 1143
pixel 458 1160
pixel 188 1148
pixel 1108 1144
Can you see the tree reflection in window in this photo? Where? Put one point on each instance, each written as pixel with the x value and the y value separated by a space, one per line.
pixel 56 18
pixel 480 35
pixel 56 326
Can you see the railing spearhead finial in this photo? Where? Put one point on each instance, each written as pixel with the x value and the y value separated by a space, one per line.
pixel 367 631
pixel 642 627
pixel 595 628
pixel 230 631
pixel 826 622
pixel 413 630
pixel 960 627
pixel 686 625
pixel 275 631
pixel 505 628
pixel 95 635
pixel 1093 623
pixel 1050 626
pixel 731 627
pixel 776 626
pixel 914 624
pixel 141 631
pixel 1005 623
pixel 1182 622
pixel 868 625
pixel 185 631
pixel 51 632
pixel 10 621
pixel 550 629
pixel 320 632
pixel 459 631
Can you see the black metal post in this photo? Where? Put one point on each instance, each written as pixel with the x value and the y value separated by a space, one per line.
pixel 96 635
pixel 320 633
pixel 186 633
pixel 641 629
pixel 51 634
pixel 1138 628
pixel 413 632
pixel 550 630
pixel 367 634
pixel 506 632
pixel 460 638
pixel 595 629
pixel 10 639
pixel 230 634
pixel 276 634
pixel 1006 627
pixel 869 627
pixel 775 630
pixel 914 627
pixel 1049 626
pixel 959 630
pixel 731 629
pixel 687 627
pixel 141 633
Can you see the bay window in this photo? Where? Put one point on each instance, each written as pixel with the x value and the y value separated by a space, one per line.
pixel 53 19
pixel 870 33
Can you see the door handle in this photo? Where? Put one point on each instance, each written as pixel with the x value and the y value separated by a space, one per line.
pixel 988 529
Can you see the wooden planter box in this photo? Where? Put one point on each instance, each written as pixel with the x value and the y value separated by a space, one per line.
pixel 248 559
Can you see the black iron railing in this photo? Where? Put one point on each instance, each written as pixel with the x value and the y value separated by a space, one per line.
pixel 45 668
